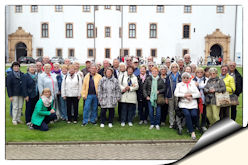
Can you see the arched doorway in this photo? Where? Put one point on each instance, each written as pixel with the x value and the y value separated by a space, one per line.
pixel 216 51
pixel 21 50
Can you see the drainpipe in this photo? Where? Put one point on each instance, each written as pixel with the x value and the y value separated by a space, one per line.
pixel 94 35
pixel 122 29
pixel 234 50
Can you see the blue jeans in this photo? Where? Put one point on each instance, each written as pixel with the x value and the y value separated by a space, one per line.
pixel 45 122
pixel 127 110
pixel 90 107
pixel 191 117
pixel 154 119
pixel 62 108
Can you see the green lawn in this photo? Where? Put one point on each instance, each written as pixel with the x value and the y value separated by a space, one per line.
pixel 61 131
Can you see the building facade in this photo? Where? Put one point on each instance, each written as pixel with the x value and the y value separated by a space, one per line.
pixel 99 32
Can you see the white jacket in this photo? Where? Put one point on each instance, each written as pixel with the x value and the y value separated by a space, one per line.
pixel 182 89
pixel 129 96
pixel 71 86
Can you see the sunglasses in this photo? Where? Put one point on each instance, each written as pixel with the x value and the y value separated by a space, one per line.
pixel 185 77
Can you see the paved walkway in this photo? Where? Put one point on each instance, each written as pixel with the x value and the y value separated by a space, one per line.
pixel 154 151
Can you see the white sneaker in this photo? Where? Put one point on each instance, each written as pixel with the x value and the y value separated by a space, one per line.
pixel 130 124
pixel 145 121
pixel 14 122
pixel 122 124
pixel 163 123
pixel 141 122
pixel 157 127
pixel 101 125
pixel 171 126
pixel 110 125
pixel 151 127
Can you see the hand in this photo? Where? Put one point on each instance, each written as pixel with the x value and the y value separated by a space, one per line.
pixel 128 88
pixel 189 98
pixel 197 84
pixel 133 85
pixel 124 90
pixel 84 98
pixel 64 97
pixel 148 98
pixel 187 95
pixel 27 98
pixel 58 93
pixel 157 92
pixel 11 99
pixel 211 90
pixel 52 111
pixel 166 101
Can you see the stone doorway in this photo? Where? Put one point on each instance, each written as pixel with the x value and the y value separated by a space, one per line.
pixel 21 50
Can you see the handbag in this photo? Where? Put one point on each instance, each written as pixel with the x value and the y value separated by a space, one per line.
pixel 222 99
pixel 160 99
pixel 234 99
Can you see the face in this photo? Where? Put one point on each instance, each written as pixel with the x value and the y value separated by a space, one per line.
pixel 16 68
pixel 207 74
pixel 71 70
pixel 116 63
pixel 136 64
pixel 47 70
pixel 88 63
pixel 167 63
pixel 32 70
pixel 232 66
pixel 64 70
pixel 130 71
pixel 174 69
pixel 46 60
pixel 93 70
pixel 163 71
pixel 56 67
pixel 213 75
pixel 47 94
pixel 181 64
pixel 129 61
pixel 185 79
pixel 199 74
pixel 76 66
pixel 142 70
pixel 108 73
pixel 224 70
pixel 193 69
pixel 122 68
pixel 187 59
pixel 67 62
pixel 150 67
pixel 154 72
pixel 105 64
pixel 149 59
pixel 38 66
pixel 188 69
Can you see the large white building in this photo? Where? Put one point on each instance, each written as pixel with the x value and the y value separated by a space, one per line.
pixel 99 32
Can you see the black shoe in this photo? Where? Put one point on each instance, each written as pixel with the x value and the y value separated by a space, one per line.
pixel 94 123
pixel 179 131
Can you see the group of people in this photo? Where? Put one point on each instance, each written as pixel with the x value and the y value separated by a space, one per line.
pixel 181 90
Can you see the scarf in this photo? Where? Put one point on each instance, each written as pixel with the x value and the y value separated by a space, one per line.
pixel 143 77
pixel 222 76
pixel 46 101
pixel 187 84
pixel 57 72
pixel 33 76
pixel 17 74
pixel 154 96
pixel 129 81
pixel 174 80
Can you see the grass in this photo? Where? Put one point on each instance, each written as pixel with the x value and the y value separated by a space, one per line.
pixel 61 131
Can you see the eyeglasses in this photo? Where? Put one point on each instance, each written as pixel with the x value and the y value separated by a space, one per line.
pixel 151 65
pixel 185 77
pixel 174 67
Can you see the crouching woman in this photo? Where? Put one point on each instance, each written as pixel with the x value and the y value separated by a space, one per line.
pixel 44 111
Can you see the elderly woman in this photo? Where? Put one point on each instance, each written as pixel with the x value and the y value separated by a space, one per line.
pixel 188 93
pixel 15 91
pixel 201 81
pixel 188 69
pixel 77 70
pixel 154 86
pixel 230 87
pixel 44 111
pixel 56 68
pixel 171 81
pixel 109 94
pixel 30 88
pixel 129 85
pixel 48 80
pixel 122 71
pixel 214 84
pixel 142 102
pixel 71 92
pixel 164 108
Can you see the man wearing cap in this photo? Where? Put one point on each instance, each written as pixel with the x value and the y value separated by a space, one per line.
pixel 136 71
pixel 86 69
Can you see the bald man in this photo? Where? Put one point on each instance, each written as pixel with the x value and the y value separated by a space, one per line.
pixel 238 83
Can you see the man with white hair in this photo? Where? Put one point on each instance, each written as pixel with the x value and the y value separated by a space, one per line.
pixel 149 59
pixel 46 60
pixel 180 63
pixel 149 71
pixel 67 61
pixel 187 59
pixel 129 61
pixel 116 63
pixel 168 63
pixel 106 64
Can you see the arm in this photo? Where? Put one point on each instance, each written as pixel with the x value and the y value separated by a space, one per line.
pixel 145 89
pixel 40 83
pixel 222 87
pixel 162 90
pixel 63 93
pixel 232 87
pixel 40 110
pixel 196 93
pixel 79 85
pixel 177 92
pixel 136 85
pixel 25 85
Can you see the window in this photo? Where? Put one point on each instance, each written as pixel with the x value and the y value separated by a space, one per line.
pixel 138 52
pixel 132 9
pixel 120 32
pixel 107 32
pixel 58 8
pixel 96 7
pixel 34 8
pixel 59 52
pixel 132 30
pixel 186 31
pixel 39 52
pixel 90 30
pixel 69 30
pixel 107 52
pixel 185 51
pixel 118 7
pixel 44 30
pixel 126 52
pixel 160 9
pixel 86 8
pixel 153 30
pixel 154 52
pixel 220 9
pixel 107 7
pixel 71 53
pixel 187 9
pixel 91 52
pixel 18 8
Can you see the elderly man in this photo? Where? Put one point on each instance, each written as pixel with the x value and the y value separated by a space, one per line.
pixel 168 63
pixel 39 67
pixel 46 60
pixel 187 59
pixel 67 61
pixel 238 84
pixel 106 64
pixel 180 63
pixel 129 61
pixel 86 70
pixel 150 59
pixel 116 63
pixel 149 71
pixel 136 71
